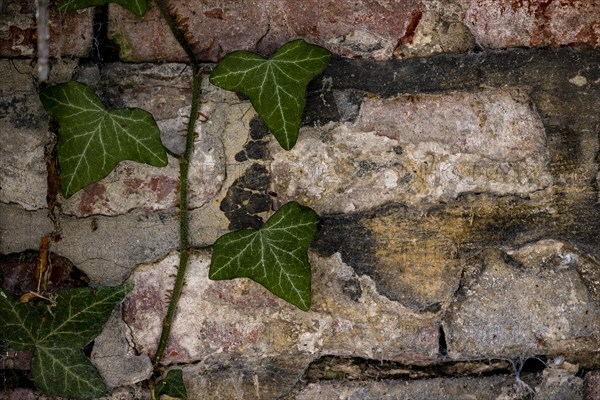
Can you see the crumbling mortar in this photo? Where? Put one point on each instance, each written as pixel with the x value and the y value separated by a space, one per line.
pixel 390 370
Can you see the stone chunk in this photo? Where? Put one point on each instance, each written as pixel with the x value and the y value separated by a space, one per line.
pixel 163 90
pixel 559 381
pixel 417 149
pixel 70 33
pixel 114 356
pixel 239 319
pixel 438 29
pixel 533 23
pixel 495 123
pixel 530 301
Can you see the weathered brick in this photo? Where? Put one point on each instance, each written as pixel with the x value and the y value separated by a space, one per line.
pixel 70 33
pixel 508 23
pixel 365 28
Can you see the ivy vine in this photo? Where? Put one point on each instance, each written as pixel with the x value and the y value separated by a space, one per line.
pixel 93 140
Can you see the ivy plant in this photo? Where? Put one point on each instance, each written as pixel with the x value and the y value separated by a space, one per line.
pixel 57 332
pixel 274 256
pixel 93 140
pixel 171 385
pixel 277 86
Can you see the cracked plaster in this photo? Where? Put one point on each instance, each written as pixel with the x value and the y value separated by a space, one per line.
pixel 24 133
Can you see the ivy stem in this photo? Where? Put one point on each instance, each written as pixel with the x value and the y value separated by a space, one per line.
pixel 184 164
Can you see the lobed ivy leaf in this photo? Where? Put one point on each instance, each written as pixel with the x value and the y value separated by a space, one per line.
pixel 171 385
pixel 57 333
pixel 138 7
pixel 92 140
pixel 277 86
pixel 274 256
pixel 66 372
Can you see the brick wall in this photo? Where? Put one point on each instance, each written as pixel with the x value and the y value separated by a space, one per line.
pixel 451 148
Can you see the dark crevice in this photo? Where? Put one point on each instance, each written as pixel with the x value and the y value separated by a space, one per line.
pixel 18 277
pixel 11 379
pixel 357 368
pixel 88 348
pixel 443 346
pixel 534 364
pixel 53 179
pixel 103 48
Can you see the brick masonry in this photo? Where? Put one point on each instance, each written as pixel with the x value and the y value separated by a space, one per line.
pixel 451 149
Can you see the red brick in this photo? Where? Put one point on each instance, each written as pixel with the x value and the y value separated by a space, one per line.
pixel 507 23
pixel 361 28
pixel 70 33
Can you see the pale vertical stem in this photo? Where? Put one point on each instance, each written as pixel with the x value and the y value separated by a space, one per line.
pixel 43 35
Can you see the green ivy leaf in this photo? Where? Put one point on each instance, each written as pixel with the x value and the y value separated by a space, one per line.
pixel 274 256
pixel 93 141
pixel 138 7
pixel 76 319
pixel 172 385
pixel 57 333
pixel 20 322
pixel 277 86
pixel 66 372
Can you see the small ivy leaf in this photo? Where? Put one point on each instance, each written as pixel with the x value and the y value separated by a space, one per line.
pixel 274 256
pixel 57 332
pixel 92 140
pixel 66 372
pixel 138 7
pixel 277 86
pixel 172 385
